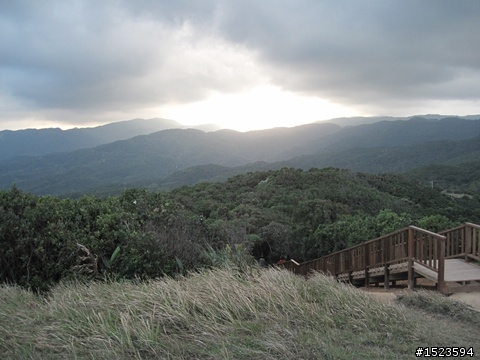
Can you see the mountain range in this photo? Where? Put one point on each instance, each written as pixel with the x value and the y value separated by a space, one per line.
pixel 34 142
pixel 158 154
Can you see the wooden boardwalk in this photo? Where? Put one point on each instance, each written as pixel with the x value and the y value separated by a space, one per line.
pixel 446 258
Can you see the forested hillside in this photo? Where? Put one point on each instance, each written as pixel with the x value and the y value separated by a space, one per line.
pixel 463 178
pixel 393 159
pixel 152 160
pixel 150 157
pixel 455 166
pixel 304 214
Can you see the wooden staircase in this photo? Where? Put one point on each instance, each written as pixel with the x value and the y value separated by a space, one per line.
pixel 449 258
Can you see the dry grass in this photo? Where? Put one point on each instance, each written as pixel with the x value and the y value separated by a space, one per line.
pixel 434 303
pixel 213 314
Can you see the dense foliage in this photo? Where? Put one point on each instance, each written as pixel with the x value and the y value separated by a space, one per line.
pixel 304 214
pixel 463 178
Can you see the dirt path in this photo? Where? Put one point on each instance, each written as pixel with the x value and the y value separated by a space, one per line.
pixel 472 299
pixel 388 296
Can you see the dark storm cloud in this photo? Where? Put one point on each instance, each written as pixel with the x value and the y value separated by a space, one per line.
pixel 94 56
pixel 358 51
pixel 80 54
pixel 89 55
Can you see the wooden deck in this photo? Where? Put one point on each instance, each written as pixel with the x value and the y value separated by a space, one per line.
pixel 456 270
pixel 449 257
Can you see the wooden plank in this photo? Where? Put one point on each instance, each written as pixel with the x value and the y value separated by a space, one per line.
pixel 399 260
pixel 358 275
pixel 398 268
pixel 476 258
pixel 459 270
pixel 434 266
pixel 425 272
pixel 378 270
pixel 455 270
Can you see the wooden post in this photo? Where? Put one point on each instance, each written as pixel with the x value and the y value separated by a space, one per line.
pixel 367 264
pixel 441 265
pixel 411 255
pixel 350 266
pixel 348 261
pixel 468 241
pixel 335 262
pixel 386 259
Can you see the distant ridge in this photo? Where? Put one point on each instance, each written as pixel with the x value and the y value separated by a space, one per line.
pixel 35 142
pixel 360 120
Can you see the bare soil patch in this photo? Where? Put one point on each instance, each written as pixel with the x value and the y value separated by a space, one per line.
pixel 471 299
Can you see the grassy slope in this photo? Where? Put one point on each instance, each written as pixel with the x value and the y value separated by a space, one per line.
pixel 263 314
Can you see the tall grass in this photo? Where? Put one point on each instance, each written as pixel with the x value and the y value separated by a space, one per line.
pixel 213 314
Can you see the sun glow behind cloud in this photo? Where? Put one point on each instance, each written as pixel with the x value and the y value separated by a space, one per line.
pixel 243 65
pixel 262 107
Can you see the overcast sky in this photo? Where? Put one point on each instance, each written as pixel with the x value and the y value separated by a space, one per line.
pixel 243 64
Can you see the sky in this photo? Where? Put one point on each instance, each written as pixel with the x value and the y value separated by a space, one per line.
pixel 244 65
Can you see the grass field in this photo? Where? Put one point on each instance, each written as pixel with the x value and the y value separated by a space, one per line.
pixel 224 314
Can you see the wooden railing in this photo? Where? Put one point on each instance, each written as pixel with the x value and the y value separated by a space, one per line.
pixel 427 249
pixel 410 246
pixel 463 242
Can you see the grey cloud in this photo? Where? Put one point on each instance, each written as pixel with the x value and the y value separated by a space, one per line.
pixel 172 12
pixel 98 55
pixel 105 55
pixel 360 51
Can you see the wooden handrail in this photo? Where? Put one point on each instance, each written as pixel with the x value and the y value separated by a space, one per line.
pixel 427 232
pixel 363 243
pixel 452 229
pixel 473 225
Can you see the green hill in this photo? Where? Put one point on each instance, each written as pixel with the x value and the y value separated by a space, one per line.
pixel 415 160
pixel 305 214
pixel 393 159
